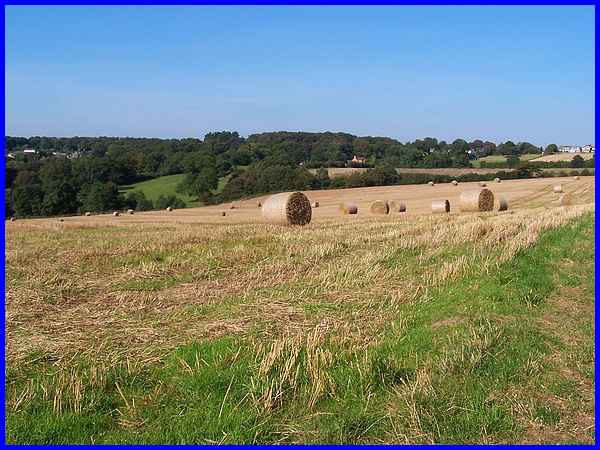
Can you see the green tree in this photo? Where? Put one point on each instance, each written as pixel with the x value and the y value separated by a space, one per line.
pixel 513 160
pixel 577 162
pixel 550 149
pixel 97 197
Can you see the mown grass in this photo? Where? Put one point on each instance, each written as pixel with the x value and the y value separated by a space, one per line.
pixel 502 158
pixel 475 357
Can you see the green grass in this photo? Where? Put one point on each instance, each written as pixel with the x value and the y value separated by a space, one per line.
pixel 478 359
pixel 167 185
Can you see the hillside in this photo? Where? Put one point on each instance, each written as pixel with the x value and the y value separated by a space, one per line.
pixel 191 327
pixel 563 157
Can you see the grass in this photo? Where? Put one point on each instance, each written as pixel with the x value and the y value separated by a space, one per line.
pixel 450 329
pixel 167 185
pixel 502 158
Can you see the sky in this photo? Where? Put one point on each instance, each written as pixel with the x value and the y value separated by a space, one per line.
pixel 495 73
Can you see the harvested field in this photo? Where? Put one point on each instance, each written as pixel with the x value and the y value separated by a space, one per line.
pixel 562 157
pixel 194 327
pixel 345 171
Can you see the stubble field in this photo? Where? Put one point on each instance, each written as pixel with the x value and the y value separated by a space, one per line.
pixel 191 327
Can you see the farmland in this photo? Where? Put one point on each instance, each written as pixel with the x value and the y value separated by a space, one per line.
pixel 556 157
pixel 193 327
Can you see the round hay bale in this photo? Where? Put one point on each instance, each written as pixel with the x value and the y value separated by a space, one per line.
pixel 169 208
pixel 440 206
pixel 12 219
pixel 116 214
pixel 497 180
pixel 234 206
pixel 431 183
pixel 287 208
pixel 88 214
pixel 348 208
pixel 223 213
pixel 259 204
pixel 455 183
pixel 482 184
pixel 61 220
pixel 397 206
pixel 576 177
pixel 565 200
pixel 477 200
pixel 130 211
pixel 502 204
pixel 315 204
pixel 557 189
pixel 379 207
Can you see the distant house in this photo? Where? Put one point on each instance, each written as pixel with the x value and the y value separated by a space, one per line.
pixel 358 160
pixel 588 148
pixel 29 150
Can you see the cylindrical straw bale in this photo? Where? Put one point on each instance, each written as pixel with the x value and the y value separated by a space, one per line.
pixel 287 208
pixel 482 184
pixel 315 204
pixel 223 213
pixel 259 204
pixel 348 208
pixel 455 183
pixel 169 208
pixel 130 211
pixel 497 180
pixel 88 213
pixel 440 206
pixel 557 189
pixel 565 200
pixel 502 204
pixel 379 207
pixel 576 177
pixel 116 214
pixel 431 183
pixel 397 206
pixel 477 200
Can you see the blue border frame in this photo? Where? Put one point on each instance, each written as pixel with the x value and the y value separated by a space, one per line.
pixel 295 3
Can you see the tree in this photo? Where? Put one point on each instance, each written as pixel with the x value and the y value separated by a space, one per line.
pixel 513 160
pixel 99 197
pixel 577 162
pixel 550 149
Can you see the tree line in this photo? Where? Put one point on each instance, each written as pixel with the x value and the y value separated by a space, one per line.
pixel 72 175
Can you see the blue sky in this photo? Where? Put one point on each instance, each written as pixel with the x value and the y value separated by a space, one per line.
pixel 497 73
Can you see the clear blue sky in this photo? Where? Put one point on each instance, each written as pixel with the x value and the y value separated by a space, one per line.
pixel 497 73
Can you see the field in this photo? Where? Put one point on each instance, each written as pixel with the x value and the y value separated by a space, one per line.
pixel 563 157
pixel 156 187
pixel 502 158
pixel 191 327
pixel 345 171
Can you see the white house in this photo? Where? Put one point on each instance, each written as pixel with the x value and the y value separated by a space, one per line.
pixel 588 148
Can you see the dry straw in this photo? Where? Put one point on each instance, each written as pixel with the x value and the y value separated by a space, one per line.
pixel 287 208
pixel 397 206
pixel 455 183
pixel 440 206
pixel 379 207
pixel 497 180
pixel 557 189
pixel 430 183
pixel 348 208
pixel 477 200
pixel 88 214
pixel 130 211
pixel 315 204
pixel 576 177
pixel 116 214
pixel 565 200
pixel 502 204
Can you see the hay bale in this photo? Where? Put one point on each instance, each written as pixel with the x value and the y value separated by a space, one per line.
pixel 348 208
pixel 12 219
pixel 502 204
pixel 565 200
pixel 88 214
pixel 482 184
pixel 497 180
pixel 477 200
pixel 440 206
pixel 130 211
pixel 259 204
pixel 557 189
pixel 379 207
pixel 576 177
pixel 234 206
pixel 455 183
pixel 315 204
pixel 397 206
pixel 169 209
pixel 223 213
pixel 430 183
pixel 116 214
pixel 61 220
pixel 287 208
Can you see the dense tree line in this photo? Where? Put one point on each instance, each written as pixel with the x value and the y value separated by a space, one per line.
pixel 70 175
